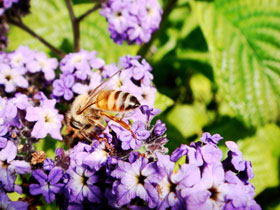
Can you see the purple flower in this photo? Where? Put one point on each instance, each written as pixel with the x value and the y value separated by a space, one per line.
pixel 48 184
pixel 48 164
pixel 173 182
pixel 10 166
pixel 80 63
pixel 95 80
pixel 125 136
pixel 132 21
pixel 47 119
pixel 12 78
pixel 234 161
pixel 159 128
pixel 21 101
pixel 8 3
pixel 207 138
pixel 22 56
pixel 136 181
pixel 97 158
pixel 5 203
pixel 150 113
pixel 81 185
pixel 42 63
pixel 62 86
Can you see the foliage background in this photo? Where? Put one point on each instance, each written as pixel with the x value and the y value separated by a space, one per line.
pixel 216 66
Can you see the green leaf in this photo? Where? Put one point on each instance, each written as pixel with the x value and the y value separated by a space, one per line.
pixel 162 102
pixel 50 19
pixel 263 150
pixel 188 119
pixel 48 145
pixel 243 38
pixel 201 88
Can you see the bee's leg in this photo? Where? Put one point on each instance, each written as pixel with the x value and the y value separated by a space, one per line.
pixel 96 123
pixel 95 135
pixel 117 120
pixel 85 135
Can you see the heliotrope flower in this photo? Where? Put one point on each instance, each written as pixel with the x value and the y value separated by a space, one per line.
pixel 21 56
pixel 12 77
pixel 126 137
pixel 63 85
pixel 10 166
pixel 44 64
pixel 5 203
pixel 49 185
pixel 47 119
pixel 136 181
pixel 132 21
pixel 82 185
pixel 173 182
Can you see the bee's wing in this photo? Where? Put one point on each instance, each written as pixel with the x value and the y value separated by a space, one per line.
pixel 92 99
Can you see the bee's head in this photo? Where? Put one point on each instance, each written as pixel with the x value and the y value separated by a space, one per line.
pixel 75 124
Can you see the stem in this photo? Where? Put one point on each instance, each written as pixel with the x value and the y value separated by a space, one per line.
pixel 167 10
pixel 75 26
pixel 83 16
pixel 24 27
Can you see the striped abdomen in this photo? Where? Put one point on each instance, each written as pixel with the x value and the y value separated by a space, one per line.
pixel 117 101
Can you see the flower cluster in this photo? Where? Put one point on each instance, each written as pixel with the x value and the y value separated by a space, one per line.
pixel 23 67
pixel 83 71
pixel 123 168
pixel 132 21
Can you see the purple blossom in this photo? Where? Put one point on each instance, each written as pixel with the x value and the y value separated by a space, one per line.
pixel 48 164
pixel 81 185
pixel 132 21
pixel 159 128
pixel 10 166
pixel 5 203
pixel 126 137
pixel 12 77
pixel 21 101
pixel 21 57
pixel 96 158
pixel 42 63
pixel 8 116
pixel 207 138
pixel 235 160
pixel 47 119
pixel 173 182
pixel 62 86
pixel 48 184
pixel 135 181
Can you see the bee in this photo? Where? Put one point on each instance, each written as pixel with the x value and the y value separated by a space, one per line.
pixel 90 109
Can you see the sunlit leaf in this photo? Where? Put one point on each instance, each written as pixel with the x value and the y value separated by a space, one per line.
pixel 162 102
pixel 263 150
pixel 243 38
pixel 188 119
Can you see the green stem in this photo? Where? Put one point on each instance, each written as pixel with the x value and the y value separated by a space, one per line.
pixel 25 28
pixel 75 25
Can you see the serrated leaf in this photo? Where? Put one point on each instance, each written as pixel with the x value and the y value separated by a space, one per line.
pixel 50 19
pixel 188 119
pixel 263 150
pixel 162 102
pixel 243 38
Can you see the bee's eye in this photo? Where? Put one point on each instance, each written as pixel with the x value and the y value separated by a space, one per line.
pixel 75 124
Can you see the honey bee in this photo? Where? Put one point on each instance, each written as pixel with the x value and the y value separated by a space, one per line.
pixel 90 109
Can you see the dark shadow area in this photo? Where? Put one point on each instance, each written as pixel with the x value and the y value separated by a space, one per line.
pixel 224 126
